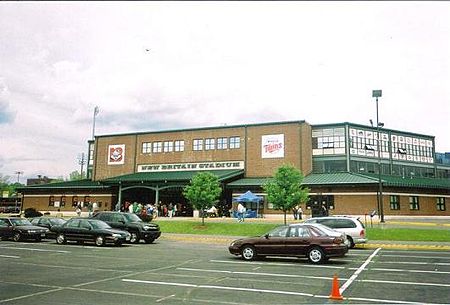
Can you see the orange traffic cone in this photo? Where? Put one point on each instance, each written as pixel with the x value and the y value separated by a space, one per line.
pixel 335 294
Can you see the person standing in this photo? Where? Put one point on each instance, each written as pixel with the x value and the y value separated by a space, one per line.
pixel 240 212
pixel 300 213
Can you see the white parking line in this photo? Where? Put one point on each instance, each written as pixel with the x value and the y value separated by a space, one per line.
pixel 357 272
pixel 257 273
pixel 417 256
pixel 275 264
pixel 34 249
pixel 9 256
pixel 219 287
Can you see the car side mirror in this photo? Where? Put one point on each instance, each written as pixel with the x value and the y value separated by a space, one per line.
pixel 266 236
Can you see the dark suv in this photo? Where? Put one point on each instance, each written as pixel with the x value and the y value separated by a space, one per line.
pixel 132 223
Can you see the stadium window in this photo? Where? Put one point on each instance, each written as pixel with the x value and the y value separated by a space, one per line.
pixel 235 142
pixel 197 144
pixel 440 204
pixel 168 146
pixel 222 143
pixel 395 202
pixel 179 145
pixel 157 147
pixel 146 147
pixel 210 144
pixel 51 201
pixel 414 203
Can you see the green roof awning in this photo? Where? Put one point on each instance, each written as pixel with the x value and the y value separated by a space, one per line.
pixel 418 182
pixel 76 184
pixel 338 178
pixel 175 176
pixel 347 178
pixel 311 179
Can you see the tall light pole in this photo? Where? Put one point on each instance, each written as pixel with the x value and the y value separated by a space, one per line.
pixel 96 110
pixel 376 94
pixel 18 173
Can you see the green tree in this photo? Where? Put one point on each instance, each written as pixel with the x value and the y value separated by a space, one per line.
pixel 203 190
pixel 284 190
pixel 75 175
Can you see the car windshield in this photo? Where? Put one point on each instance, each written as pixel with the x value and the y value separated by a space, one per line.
pixel 99 225
pixel 278 232
pixel 132 217
pixel 57 221
pixel 21 222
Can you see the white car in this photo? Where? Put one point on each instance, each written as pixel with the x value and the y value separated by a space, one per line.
pixel 351 226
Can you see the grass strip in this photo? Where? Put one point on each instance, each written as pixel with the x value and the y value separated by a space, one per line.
pixel 258 229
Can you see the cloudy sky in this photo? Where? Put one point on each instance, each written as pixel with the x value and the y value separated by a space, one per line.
pixel 169 65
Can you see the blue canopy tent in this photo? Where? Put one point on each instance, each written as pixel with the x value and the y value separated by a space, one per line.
pixel 250 197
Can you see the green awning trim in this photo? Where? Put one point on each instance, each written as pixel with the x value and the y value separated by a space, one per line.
pixel 436 183
pixel 175 176
pixel 76 184
pixel 346 178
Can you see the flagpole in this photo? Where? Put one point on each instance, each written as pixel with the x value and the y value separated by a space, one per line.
pixel 96 110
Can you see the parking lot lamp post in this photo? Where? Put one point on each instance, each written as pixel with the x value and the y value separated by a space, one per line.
pixel 376 94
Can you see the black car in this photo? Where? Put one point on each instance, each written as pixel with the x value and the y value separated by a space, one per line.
pixel 49 223
pixel 316 242
pixel 89 230
pixel 132 223
pixel 20 228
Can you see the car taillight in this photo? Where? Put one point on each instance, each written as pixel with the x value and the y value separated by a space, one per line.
pixel 362 233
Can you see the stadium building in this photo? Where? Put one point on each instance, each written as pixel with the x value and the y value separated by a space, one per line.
pixel 345 166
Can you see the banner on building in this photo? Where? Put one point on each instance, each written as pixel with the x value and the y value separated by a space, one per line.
pixel 272 146
pixel 116 154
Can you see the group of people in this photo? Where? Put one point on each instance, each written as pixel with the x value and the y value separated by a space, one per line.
pixel 153 210
pixel 92 207
pixel 298 212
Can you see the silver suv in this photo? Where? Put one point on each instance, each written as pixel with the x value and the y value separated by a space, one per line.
pixel 351 226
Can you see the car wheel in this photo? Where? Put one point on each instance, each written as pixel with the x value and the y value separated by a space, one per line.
pixel 38 238
pixel 149 240
pixel 60 239
pixel 134 238
pixel 248 253
pixel 352 243
pixel 99 241
pixel 316 255
pixel 17 236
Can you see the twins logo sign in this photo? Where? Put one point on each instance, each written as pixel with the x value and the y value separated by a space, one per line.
pixel 116 154
pixel 272 146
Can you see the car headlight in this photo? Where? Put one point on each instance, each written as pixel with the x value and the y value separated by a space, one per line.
pixel 146 228
pixel 31 231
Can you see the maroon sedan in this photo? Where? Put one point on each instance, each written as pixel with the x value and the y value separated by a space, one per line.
pixel 316 242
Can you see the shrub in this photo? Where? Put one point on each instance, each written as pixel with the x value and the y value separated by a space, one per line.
pixel 31 212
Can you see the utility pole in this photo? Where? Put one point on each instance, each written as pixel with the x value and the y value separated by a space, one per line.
pixel 81 162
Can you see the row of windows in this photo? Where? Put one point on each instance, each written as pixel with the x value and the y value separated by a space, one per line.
pixel 166 146
pixel 197 145
pixel 61 201
pixel 329 142
pixel 414 203
pixel 410 149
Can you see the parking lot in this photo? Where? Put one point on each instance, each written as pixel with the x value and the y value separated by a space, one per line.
pixel 177 272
